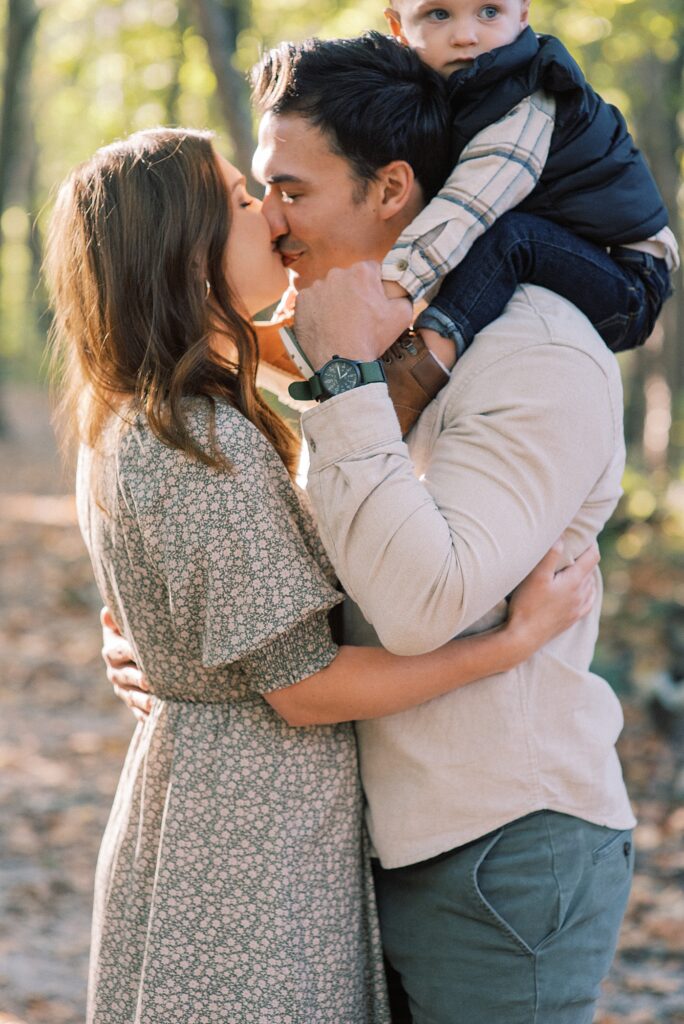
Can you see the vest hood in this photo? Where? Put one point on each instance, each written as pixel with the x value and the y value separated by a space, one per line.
pixel 595 181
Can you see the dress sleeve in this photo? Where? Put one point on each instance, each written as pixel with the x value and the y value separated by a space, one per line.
pixel 306 648
pixel 244 573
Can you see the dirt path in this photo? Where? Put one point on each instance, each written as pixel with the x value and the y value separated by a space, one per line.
pixel 63 737
pixel 62 733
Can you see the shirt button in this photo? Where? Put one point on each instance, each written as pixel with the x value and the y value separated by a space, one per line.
pixel 402 264
pixel 312 444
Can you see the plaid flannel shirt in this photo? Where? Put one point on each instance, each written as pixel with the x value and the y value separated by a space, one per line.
pixel 498 168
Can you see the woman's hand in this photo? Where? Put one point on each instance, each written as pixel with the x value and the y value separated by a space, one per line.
pixel 130 685
pixel 550 601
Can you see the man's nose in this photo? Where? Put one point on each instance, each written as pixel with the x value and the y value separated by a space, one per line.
pixel 272 209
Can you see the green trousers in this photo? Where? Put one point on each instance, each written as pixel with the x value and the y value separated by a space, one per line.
pixel 518 927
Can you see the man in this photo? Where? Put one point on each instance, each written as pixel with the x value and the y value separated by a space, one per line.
pixel 498 813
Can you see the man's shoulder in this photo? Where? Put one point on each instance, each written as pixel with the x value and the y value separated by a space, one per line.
pixel 543 333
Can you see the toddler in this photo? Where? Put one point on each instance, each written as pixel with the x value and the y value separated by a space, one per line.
pixel 528 134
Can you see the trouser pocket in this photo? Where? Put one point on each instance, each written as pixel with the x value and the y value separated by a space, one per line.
pixel 516 884
pixel 618 845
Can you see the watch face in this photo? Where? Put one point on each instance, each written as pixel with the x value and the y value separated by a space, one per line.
pixel 339 375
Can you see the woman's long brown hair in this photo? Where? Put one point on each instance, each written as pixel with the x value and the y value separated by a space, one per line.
pixel 136 234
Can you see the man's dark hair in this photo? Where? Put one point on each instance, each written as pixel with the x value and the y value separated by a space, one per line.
pixel 372 97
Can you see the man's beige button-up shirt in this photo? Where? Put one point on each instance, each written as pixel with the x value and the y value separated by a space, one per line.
pixel 429 536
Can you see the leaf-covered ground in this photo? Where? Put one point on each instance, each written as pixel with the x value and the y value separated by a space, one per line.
pixel 63 737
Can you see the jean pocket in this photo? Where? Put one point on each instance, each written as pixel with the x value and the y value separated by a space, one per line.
pixel 617 842
pixel 641 262
pixel 618 331
pixel 617 321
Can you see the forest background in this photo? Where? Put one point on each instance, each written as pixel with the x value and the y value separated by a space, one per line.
pixel 76 74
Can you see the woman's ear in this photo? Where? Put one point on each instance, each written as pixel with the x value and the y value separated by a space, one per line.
pixel 395 185
pixel 393 19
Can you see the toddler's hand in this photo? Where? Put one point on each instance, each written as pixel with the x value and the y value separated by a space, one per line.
pixel 393 290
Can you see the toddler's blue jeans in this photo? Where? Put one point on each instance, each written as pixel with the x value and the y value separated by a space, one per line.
pixel 621 292
pixel 518 927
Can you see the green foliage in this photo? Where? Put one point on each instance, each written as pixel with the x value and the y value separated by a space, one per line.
pixel 108 69
pixel 105 69
pixel 643 569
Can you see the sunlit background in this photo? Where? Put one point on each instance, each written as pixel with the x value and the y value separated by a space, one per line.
pixel 79 73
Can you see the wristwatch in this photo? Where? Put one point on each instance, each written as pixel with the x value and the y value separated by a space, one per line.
pixel 338 375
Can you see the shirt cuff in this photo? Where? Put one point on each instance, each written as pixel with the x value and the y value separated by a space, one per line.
pixel 412 270
pixel 350 424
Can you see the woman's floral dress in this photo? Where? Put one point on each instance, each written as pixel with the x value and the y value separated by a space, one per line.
pixel 233 883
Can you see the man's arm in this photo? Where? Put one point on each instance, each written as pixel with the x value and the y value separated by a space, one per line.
pixel 525 440
pixel 498 168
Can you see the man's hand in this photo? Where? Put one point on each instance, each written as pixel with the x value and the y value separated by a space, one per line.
pixel 130 685
pixel 348 314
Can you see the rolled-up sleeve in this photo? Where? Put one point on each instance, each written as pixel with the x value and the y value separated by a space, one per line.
pixel 519 451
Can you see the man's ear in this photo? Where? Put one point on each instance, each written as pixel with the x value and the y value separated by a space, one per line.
pixel 393 19
pixel 395 187
pixel 524 13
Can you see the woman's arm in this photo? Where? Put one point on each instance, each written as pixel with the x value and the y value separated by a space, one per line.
pixel 368 682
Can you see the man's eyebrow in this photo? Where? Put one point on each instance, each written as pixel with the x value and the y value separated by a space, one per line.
pixel 280 179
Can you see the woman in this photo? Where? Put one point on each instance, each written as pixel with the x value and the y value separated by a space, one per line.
pixel 233 882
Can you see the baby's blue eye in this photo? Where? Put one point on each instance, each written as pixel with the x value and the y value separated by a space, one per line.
pixel 489 13
pixel 438 14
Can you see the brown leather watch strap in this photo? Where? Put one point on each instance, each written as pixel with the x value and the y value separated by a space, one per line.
pixel 414 377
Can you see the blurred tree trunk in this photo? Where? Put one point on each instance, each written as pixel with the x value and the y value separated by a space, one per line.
pixel 657 106
pixel 22 21
pixel 174 92
pixel 220 22
pixel 38 299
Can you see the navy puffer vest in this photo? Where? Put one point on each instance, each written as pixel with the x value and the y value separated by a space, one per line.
pixel 595 182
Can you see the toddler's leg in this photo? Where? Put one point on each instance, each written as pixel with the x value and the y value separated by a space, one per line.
pixel 621 294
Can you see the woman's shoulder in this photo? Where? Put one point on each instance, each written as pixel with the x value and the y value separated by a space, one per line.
pixel 153 471
pixel 213 424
